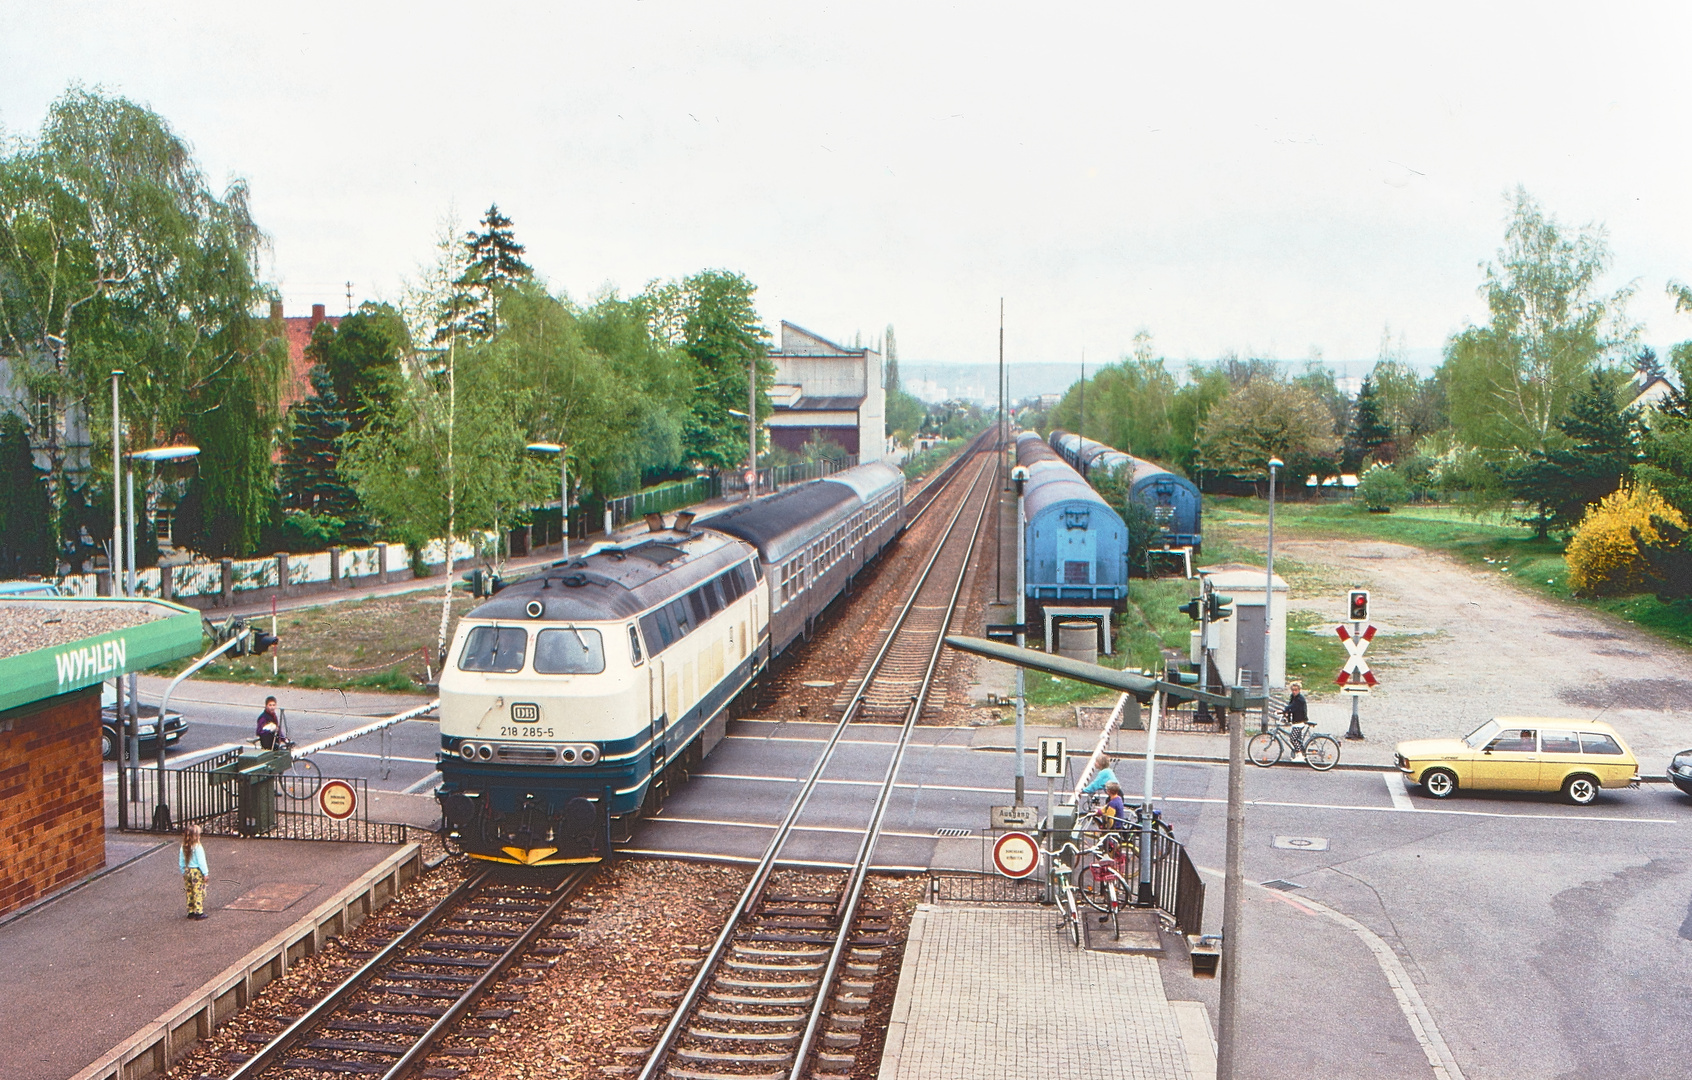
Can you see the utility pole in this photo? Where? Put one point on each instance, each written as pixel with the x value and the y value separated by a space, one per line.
pixel 1081 431
pixel 1269 592
pixel 1233 884
pixel 999 515
pixel 349 298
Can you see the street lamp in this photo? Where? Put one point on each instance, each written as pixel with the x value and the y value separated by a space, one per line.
pixel 156 454
pixel 1269 591
pixel 563 488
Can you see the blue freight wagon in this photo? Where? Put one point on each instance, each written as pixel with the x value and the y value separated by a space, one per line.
pixel 1075 545
pixel 1174 500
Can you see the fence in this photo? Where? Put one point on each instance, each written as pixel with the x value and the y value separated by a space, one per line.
pixel 196 793
pixel 662 498
pixel 1177 888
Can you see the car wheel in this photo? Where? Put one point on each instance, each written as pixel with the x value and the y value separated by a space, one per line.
pixel 1580 790
pixel 1439 783
pixel 108 744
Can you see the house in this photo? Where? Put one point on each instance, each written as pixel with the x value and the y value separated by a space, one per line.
pixel 297 329
pixel 825 391
pixel 1648 391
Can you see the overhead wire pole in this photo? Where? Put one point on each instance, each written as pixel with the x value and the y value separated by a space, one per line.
pixel 999 513
pixel 1269 591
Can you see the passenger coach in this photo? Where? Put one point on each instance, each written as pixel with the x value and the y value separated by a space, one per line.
pixel 573 695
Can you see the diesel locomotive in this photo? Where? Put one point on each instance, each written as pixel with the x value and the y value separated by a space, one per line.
pixel 576 694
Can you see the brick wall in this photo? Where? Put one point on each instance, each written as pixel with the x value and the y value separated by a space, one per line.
pixel 52 809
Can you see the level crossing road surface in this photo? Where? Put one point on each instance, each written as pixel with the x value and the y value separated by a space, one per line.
pixel 223 715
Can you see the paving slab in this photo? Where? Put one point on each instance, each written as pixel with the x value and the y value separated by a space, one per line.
pixel 92 966
pixel 997 992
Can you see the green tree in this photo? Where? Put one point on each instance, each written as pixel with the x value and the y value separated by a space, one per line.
pixel 1599 447
pixel 1509 381
pixel 905 412
pixel 1369 429
pixel 114 253
pixel 1204 388
pixel 494 265
pixel 26 535
pixel 1268 418
pixel 711 316
pixel 310 475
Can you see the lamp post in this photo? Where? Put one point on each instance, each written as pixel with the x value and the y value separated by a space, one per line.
pixel 563 489
pixel 157 453
pixel 115 564
pixel 1269 591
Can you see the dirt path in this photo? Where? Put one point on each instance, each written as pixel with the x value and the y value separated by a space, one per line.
pixel 1462 645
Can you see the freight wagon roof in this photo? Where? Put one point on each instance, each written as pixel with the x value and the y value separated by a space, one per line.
pixel 780 524
pixel 1055 492
pixel 1030 449
pixel 616 582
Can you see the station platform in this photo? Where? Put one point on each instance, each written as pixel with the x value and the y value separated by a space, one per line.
pixel 997 992
pixel 114 964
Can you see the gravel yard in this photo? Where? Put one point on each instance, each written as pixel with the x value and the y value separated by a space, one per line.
pixel 26 626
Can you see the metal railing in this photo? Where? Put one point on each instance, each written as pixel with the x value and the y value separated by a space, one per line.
pixel 661 498
pixel 197 793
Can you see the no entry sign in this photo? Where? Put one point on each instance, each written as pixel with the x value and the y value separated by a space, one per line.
pixel 1015 855
pixel 338 799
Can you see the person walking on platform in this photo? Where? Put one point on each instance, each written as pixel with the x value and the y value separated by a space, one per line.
pixel 191 860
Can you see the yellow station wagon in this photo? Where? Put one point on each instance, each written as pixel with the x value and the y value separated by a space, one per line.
pixel 1523 753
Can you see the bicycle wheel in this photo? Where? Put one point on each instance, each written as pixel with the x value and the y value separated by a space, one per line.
pixel 1322 752
pixel 1118 900
pixel 1264 749
pixel 302 780
pixel 1094 887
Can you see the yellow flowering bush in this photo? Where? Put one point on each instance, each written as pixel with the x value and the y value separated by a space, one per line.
pixel 1603 560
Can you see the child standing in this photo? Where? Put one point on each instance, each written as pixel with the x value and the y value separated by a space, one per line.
pixel 191 860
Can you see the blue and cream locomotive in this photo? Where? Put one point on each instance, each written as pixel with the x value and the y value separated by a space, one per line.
pixel 572 696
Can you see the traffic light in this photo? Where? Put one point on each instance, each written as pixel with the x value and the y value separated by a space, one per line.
pixel 1358 605
pixel 1191 608
pixel 1216 607
pixel 262 641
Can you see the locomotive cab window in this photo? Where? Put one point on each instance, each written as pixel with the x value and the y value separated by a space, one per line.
pixel 634 646
pixel 494 648
pixel 569 652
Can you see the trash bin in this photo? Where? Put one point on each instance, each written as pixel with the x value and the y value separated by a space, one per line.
pixel 1205 953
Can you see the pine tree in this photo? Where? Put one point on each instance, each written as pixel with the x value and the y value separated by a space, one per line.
pixel 495 265
pixel 311 462
pixel 1602 445
pixel 26 538
pixel 1369 428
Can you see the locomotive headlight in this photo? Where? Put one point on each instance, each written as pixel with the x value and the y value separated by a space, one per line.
pixel 567 755
pixel 485 752
pixel 589 755
pixel 535 609
pixel 467 751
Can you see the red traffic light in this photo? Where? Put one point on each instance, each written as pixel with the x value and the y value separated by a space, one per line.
pixel 1358 605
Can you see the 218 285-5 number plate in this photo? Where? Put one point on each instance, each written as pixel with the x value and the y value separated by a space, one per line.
pixel 524 712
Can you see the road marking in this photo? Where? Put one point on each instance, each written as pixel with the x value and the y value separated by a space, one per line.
pixel 1395 788
pixel 417 788
pixel 1410 1002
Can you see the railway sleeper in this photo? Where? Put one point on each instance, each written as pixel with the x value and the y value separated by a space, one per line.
pixel 757 984
pixel 677 1073
pixel 840 1062
pixel 329 1065
pixel 717 1057
pixel 352 1046
pixel 769 1038
pixel 383 1029
pixel 415 991
pixel 794 954
pixel 752 1018
pixel 745 965
pixel 840 1040
pixel 743 999
pixel 848 1003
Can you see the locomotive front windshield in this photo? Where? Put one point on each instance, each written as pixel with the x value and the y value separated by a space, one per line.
pixel 569 652
pixel 494 648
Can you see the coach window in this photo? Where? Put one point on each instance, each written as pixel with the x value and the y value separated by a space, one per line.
pixel 658 636
pixel 684 622
pixel 635 655
pixel 494 648
pixel 569 652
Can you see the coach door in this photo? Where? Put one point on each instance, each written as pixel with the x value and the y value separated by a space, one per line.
pixel 655 697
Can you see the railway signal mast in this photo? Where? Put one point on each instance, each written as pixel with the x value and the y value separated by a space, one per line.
pixel 1355 678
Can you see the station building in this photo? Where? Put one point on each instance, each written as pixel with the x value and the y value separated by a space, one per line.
pixel 827 391
pixel 55 653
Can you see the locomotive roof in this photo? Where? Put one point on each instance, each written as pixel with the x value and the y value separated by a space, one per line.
pixel 616 582
pixel 780 524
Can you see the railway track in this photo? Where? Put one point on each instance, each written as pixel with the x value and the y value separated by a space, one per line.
pixel 467 959
pixel 782 992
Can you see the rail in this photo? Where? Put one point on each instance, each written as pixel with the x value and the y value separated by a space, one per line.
pixel 476 899
pixel 851 895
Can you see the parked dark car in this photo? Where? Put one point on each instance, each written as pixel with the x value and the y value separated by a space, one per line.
pixel 147 729
pixel 1680 771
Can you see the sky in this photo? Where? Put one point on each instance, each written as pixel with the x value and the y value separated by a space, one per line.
pixel 1288 180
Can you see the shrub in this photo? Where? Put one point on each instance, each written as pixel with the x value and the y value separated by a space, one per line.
pixel 1603 557
pixel 1382 487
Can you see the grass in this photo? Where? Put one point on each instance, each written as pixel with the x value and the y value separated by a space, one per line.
pixel 384 644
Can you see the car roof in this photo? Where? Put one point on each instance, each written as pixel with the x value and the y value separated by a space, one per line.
pixel 1555 721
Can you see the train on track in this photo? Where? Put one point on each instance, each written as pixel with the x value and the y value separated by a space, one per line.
pixel 1174 500
pixel 1075 545
pixel 571 698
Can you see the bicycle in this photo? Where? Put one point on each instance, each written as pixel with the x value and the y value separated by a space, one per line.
pixel 1063 875
pixel 1320 752
pixel 1104 881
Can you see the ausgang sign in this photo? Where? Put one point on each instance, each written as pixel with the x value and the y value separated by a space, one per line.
pixel 33 676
